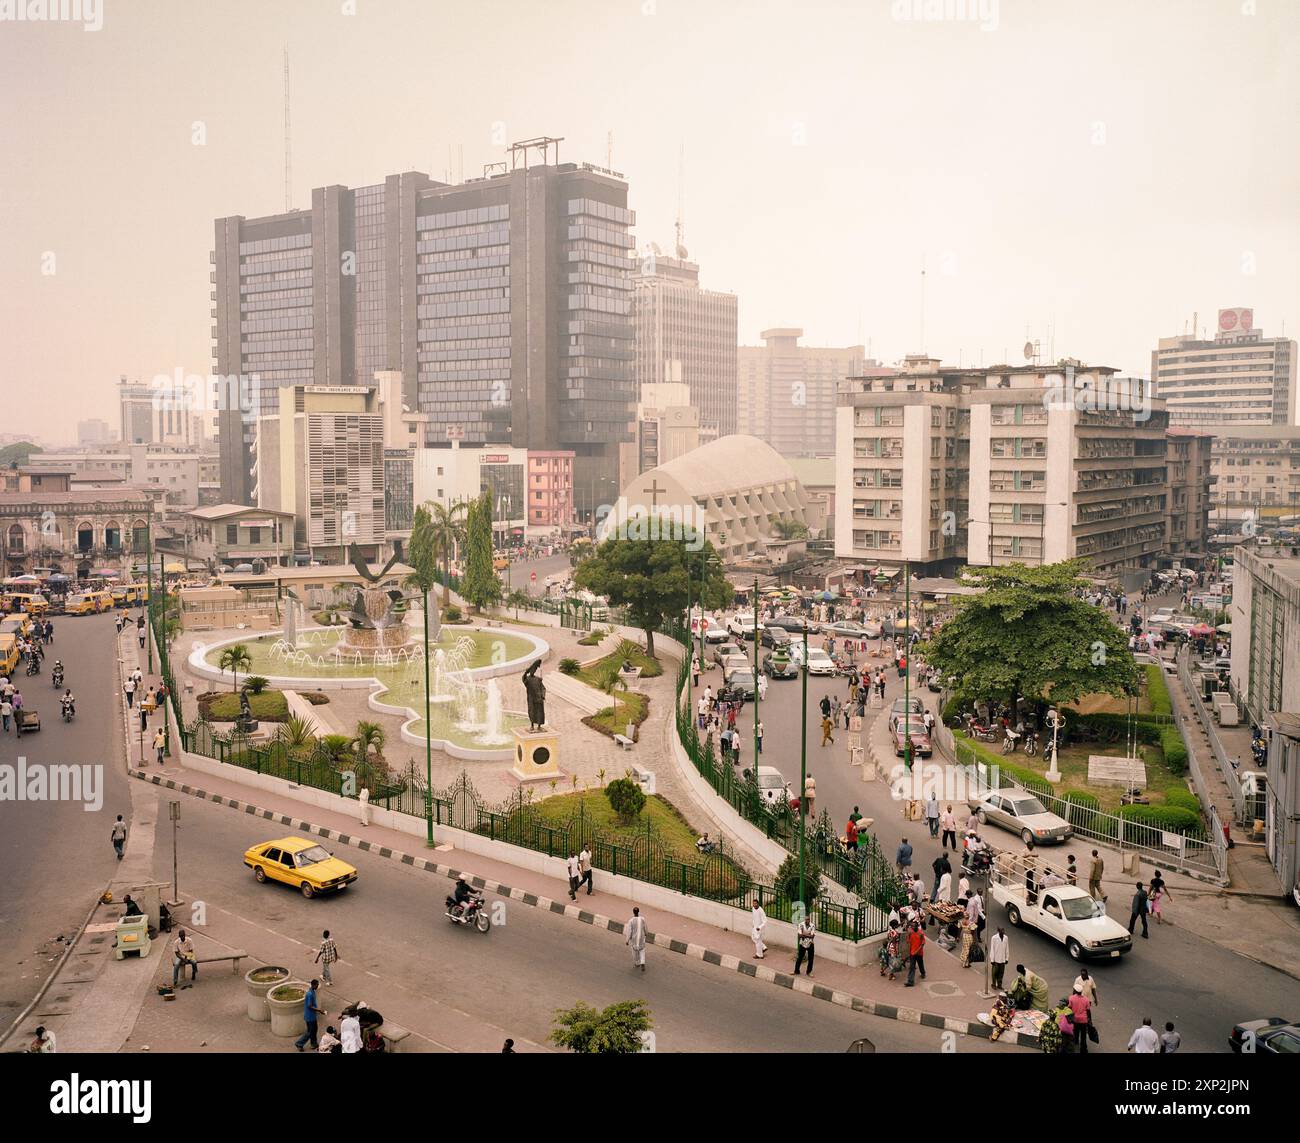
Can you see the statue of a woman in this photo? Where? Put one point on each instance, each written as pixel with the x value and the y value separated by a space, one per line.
pixel 536 691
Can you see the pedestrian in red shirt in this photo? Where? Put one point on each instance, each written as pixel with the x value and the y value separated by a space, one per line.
pixel 915 953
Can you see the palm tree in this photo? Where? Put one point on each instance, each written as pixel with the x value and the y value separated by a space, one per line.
pixel 235 659
pixel 295 732
pixel 610 678
pixel 370 734
pixel 447 524
pixel 789 529
pixel 517 599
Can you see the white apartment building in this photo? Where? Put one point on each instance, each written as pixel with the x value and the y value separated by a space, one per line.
pixel 786 391
pixel 1257 472
pixel 321 457
pixel 1239 378
pixel 686 335
pixel 181 473
pixel 1013 464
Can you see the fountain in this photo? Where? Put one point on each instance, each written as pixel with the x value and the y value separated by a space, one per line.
pixel 375 629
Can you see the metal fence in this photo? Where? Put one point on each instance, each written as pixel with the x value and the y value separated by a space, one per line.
pixel 1200 853
pixel 1226 767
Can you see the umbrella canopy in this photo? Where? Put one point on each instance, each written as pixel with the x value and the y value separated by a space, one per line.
pixel 174 569
pixel 1226 628
pixel 59 577
pixel 1202 629
pixel 17 579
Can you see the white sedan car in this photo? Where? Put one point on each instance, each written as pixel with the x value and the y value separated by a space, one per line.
pixel 819 662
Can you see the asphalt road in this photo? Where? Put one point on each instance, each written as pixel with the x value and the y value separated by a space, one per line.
pixel 1174 975
pixel 508 982
pixel 57 856
pixel 519 573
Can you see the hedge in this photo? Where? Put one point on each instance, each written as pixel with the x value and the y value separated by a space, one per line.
pixel 1158 691
pixel 1030 779
pixel 1184 799
pixel 1171 819
pixel 1175 750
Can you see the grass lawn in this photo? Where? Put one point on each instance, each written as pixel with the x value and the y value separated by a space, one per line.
pixel 650 668
pixel 610 720
pixel 223 706
pixel 676 835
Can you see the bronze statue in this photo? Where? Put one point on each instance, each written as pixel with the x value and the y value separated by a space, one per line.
pixel 536 691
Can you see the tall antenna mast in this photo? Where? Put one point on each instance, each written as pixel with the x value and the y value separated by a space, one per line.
pixel 288 153
pixel 922 345
pixel 681 200
pixel 609 151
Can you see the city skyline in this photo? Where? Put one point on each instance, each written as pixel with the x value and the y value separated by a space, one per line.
pixel 818 180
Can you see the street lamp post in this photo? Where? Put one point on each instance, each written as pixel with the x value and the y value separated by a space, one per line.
pixel 756 678
pixel 1056 723
pixel 148 570
pixel 803 754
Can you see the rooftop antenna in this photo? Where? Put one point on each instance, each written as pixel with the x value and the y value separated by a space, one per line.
pixel 609 151
pixel 288 153
pixel 460 162
pixel 922 346
pixel 681 200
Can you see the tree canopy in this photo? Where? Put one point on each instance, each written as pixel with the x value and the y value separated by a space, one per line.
pixel 481 585
pixel 616 1029
pixel 1028 634
pixel 649 577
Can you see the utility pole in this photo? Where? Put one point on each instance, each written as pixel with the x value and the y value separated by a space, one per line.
pixel 803 754
pixel 148 569
pixel 174 812
pixel 756 678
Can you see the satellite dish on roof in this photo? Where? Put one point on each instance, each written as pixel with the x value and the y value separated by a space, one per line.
pixel 654 249
pixel 1029 350
pixel 681 252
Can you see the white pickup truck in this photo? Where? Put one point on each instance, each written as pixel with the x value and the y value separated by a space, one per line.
pixel 1067 914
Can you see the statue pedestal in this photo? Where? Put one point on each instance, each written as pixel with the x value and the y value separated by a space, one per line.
pixel 536 755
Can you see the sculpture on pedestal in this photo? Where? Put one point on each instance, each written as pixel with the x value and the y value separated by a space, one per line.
pixel 536 691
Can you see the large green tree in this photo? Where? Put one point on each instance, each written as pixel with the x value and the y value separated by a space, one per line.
pixel 649 577
pixel 1028 634
pixel 480 587
pixel 447 524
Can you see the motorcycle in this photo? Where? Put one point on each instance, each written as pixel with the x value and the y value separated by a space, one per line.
pixel 470 913
pixel 56 677
pixel 979 731
pixel 1009 740
pixel 33 666
pixel 69 711
pixel 1031 743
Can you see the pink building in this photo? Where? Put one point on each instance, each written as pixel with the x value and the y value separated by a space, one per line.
pixel 550 489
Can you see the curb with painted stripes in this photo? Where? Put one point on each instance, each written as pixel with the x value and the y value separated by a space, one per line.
pixel 599 921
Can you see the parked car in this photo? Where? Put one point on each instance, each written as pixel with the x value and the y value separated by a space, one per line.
pixel 733 663
pixel 872 629
pixel 308 867
pixel 780 668
pixel 724 650
pixel 819 662
pixel 1274 1036
pixel 919 735
pixel 772 787
pixel 916 707
pixel 741 682
pixel 715 632
pixel 742 625
pixel 794 624
pixel 846 629
pixel 774 637
pixel 1023 814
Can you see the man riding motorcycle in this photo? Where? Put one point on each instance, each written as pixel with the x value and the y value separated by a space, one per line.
pixel 68 704
pixel 56 673
pixel 462 893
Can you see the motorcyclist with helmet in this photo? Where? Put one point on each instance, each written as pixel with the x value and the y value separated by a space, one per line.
pixel 462 893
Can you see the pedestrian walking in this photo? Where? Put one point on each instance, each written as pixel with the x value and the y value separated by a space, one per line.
pixel 1170 1041
pixel 636 938
pixel 758 736
pixel 309 1013
pixel 805 936
pixel 575 874
pixel 1144 1040
pixel 1139 909
pixel 118 837
pixel 1095 871
pixel 129 688
pixel 363 805
pixel 6 712
pixel 825 706
pixel 160 744
pixel 941 865
pixel 999 954
pixel 183 955
pixel 695 670
pixel 827 727
pixel 584 865
pixel 702 711
pixel 915 953
pixel 758 922
pixel 1158 893
pixel 1071 870
pixel 948 823
pixel 326 955
pixel 903 858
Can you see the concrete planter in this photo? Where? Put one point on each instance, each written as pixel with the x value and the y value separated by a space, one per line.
pixel 258 981
pixel 286 1014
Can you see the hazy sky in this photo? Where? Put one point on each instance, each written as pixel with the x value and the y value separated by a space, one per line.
pixel 1103 166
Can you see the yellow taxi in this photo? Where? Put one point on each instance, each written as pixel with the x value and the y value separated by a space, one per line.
pixel 128 596
pixel 88 603
pixel 34 605
pixel 500 563
pixel 9 656
pixel 308 867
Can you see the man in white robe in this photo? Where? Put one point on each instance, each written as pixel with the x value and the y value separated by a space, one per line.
pixel 636 934
pixel 759 924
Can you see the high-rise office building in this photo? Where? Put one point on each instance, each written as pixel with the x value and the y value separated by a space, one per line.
pixel 1237 379
pixel 504 302
pixel 686 335
pixel 786 392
